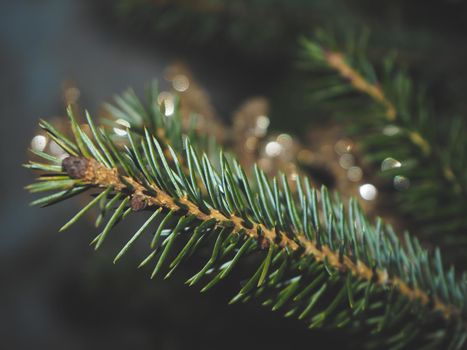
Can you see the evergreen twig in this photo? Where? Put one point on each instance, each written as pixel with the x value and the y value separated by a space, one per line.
pixel 392 120
pixel 328 266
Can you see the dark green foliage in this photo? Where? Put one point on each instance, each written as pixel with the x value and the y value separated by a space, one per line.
pixel 297 246
pixel 253 28
pixel 430 148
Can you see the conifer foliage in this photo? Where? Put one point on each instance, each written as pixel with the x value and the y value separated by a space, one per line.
pixel 393 119
pixel 318 260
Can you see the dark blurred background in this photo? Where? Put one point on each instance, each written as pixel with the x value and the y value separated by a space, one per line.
pixel 56 292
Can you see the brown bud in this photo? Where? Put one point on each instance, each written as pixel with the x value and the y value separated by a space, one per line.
pixel 75 167
pixel 263 243
pixel 138 203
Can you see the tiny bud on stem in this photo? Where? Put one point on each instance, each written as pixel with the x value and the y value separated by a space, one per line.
pixel 75 167
pixel 138 203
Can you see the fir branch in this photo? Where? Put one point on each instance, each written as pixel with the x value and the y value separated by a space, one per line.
pixel 435 162
pixel 328 266
pixel 336 61
pixel 97 174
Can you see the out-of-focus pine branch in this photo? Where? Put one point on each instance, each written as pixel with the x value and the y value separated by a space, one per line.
pixel 393 122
